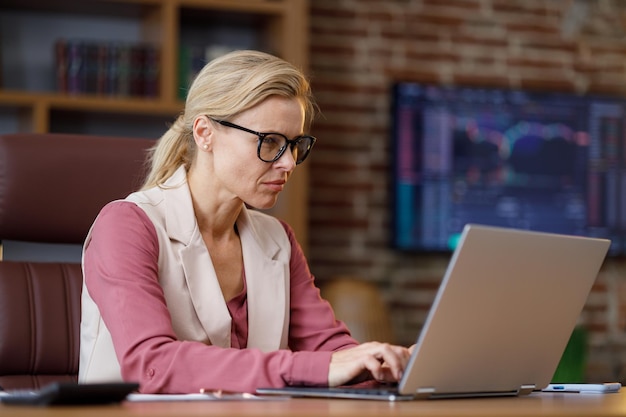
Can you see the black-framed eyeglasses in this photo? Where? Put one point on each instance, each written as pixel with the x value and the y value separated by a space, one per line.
pixel 272 145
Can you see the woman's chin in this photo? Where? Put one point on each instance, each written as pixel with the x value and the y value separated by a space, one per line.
pixel 262 204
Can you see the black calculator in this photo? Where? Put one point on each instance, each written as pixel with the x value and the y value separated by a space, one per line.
pixel 70 393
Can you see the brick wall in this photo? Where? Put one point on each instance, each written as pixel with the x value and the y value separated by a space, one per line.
pixel 358 47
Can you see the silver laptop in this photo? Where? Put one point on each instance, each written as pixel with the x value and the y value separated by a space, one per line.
pixel 500 321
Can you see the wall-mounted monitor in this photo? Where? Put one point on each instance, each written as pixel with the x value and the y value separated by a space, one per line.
pixel 542 161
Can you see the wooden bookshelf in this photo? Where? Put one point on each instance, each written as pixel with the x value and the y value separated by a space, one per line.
pixel 30 100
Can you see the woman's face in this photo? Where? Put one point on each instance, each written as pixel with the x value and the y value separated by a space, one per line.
pixel 237 169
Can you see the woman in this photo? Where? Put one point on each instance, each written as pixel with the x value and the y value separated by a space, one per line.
pixel 185 287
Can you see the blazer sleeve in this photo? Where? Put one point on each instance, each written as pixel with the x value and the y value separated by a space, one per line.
pixel 121 275
pixel 313 326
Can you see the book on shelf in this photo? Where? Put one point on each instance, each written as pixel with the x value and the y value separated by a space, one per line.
pixel 152 71
pixel 107 68
pixel 60 58
pixel 74 68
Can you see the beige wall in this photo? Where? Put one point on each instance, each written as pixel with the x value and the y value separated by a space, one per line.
pixel 358 47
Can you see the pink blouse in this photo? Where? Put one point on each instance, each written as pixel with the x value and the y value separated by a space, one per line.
pixel 124 248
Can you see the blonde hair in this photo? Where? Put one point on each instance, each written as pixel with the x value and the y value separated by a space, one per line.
pixel 225 87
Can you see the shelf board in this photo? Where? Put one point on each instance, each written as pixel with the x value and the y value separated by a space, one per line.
pixel 276 7
pixel 91 103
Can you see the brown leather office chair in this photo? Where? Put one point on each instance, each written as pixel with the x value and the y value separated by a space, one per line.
pixel 52 186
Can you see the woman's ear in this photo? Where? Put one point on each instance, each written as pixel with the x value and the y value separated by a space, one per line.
pixel 203 132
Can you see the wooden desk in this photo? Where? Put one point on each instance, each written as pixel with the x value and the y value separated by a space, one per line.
pixel 536 404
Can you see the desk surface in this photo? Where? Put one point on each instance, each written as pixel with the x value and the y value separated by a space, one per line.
pixel 536 404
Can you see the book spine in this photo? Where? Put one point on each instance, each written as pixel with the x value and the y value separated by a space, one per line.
pixel 111 83
pixel 60 58
pixel 184 64
pixel 151 71
pixel 91 68
pixel 137 58
pixel 101 68
pixel 123 75
pixel 75 67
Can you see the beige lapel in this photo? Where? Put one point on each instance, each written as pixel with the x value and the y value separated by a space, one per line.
pixel 206 294
pixel 268 290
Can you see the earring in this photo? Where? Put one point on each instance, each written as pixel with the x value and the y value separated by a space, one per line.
pixel 205 146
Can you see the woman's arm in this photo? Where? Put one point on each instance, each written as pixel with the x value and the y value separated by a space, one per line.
pixel 313 325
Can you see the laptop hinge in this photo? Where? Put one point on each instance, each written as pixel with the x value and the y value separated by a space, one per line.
pixel 526 389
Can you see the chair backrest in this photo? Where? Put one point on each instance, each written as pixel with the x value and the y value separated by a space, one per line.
pixel 360 305
pixel 52 187
pixel 40 320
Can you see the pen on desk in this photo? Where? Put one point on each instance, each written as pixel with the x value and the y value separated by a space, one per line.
pixel 224 393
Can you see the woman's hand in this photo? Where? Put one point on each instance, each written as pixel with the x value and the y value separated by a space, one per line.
pixel 384 362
